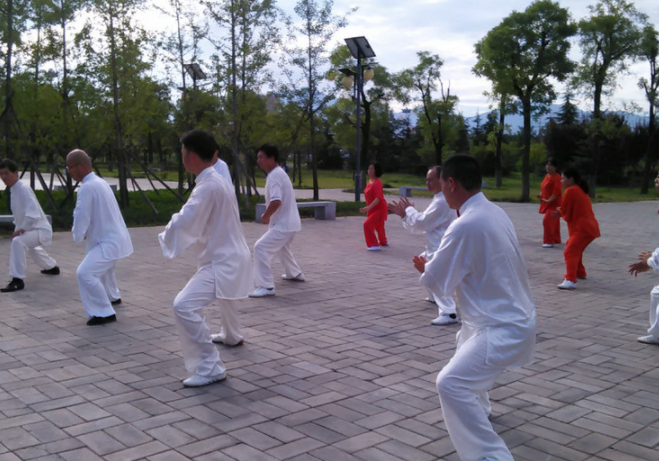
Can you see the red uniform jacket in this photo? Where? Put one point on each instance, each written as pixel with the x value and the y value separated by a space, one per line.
pixel 578 212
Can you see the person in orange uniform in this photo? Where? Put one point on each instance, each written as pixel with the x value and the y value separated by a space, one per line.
pixel 577 210
pixel 550 200
pixel 375 209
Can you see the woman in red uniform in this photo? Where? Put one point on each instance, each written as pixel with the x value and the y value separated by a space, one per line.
pixel 581 225
pixel 550 200
pixel 375 209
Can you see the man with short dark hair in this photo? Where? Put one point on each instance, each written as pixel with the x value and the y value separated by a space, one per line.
pixel 209 226
pixel 480 260
pixel 283 218
pixel 433 222
pixel 98 222
pixel 32 230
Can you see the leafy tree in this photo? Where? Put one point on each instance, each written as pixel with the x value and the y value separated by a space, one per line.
pixel 116 62
pixel 520 55
pixel 373 100
pixel 180 47
pixel 243 56
pixel 305 61
pixel 438 113
pixel 609 39
pixel 650 51
pixel 14 14
pixel 564 141
pixel 568 114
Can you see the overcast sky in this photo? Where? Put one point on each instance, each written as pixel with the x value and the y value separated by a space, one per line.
pixel 397 29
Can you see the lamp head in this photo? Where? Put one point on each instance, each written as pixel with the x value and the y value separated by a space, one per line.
pixel 348 81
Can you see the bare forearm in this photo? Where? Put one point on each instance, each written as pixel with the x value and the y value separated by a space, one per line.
pixel 272 208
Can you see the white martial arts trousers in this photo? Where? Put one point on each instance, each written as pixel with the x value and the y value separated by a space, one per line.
pixel 445 306
pixel 273 241
pixel 97 283
pixel 29 242
pixel 654 312
pixel 462 386
pixel 200 355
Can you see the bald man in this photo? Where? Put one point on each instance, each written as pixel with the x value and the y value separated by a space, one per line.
pixel 97 221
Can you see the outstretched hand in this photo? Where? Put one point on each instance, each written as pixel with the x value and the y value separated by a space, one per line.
pixel 419 263
pixel 398 208
pixel 641 265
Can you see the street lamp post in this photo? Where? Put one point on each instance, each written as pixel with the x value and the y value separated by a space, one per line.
pixel 360 48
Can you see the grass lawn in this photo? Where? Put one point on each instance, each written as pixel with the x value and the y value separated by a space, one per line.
pixel 511 190
pixel 140 214
pixel 343 179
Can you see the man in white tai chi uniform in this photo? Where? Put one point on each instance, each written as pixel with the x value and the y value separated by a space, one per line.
pixel 433 222
pixel 209 226
pixel 283 217
pixel 650 261
pixel 222 168
pixel 98 222
pixel 31 229
pixel 480 259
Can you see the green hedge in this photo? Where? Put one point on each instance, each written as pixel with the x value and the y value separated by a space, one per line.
pixel 140 214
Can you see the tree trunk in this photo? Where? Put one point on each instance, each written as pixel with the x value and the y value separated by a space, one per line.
pixel 498 168
pixel 118 135
pixel 8 112
pixel 439 146
pixel 647 170
pixel 526 150
pixel 179 155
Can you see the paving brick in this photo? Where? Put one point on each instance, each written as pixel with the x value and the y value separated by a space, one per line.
pixel 139 452
pixel 339 368
pixel 101 443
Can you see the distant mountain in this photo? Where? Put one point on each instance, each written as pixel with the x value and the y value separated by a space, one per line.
pixel 516 121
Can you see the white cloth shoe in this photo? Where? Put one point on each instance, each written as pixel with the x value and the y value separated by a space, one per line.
pixel 219 338
pixel 261 292
pixel 567 285
pixel 547 245
pixel 649 339
pixel 298 278
pixel 376 248
pixel 198 380
pixel 445 319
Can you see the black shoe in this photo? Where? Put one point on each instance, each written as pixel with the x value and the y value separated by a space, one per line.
pixel 101 320
pixel 51 271
pixel 115 302
pixel 14 285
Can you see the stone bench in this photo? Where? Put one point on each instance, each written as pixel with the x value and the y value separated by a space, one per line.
pixel 322 210
pixel 10 219
pixel 406 191
pixel 60 187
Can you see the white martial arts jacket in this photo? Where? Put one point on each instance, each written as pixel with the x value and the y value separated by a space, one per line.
pixel 222 168
pixel 278 186
pixel 97 219
pixel 209 226
pixel 27 212
pixel 433 221
pixel 653 261
pixel 480 259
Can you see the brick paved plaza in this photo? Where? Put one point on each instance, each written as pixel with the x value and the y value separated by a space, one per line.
pixel 339 368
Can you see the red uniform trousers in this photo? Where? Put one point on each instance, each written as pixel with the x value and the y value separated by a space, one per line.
pixel 375 223
pixel 552 227
pixel 573 254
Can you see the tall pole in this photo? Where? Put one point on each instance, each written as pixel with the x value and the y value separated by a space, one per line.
pixel 358 83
